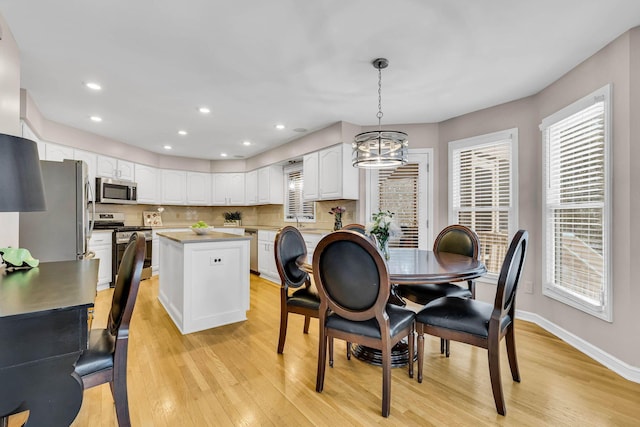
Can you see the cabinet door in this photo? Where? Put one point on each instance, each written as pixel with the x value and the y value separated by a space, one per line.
pixel 235 190
pixel 107 166
pixel 263 185
pixel 330 166
pixel 174 187
pixel 91 160
pixel 198 188
pixel 251 187
pixel 125 170
pixel 103 253
pixel 155 254
pixel 148 181
pixel 219 186
pixel 58 153
pixel 311 178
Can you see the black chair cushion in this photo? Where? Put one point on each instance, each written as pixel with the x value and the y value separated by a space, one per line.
pixel 99 355
pixel 304 298
pixel 399 318
pixel 424 294
pixel 460 314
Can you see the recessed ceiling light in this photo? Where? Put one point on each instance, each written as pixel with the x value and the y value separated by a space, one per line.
pixel 93 86
pixel 182 132
pixel 246 143
pixel 204 110
pixel 279 126
pixel 167 147
pixel 96 118
pixel 223 154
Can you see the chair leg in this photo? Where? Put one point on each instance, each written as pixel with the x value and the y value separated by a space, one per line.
pixel 322 359
pixel 511 352
pixel 420 351
pixel 284 316
pixel 386 381
pixel 411 341
pixel 331 352
pixel 442 346
pixel 447 345
pixel 120 397
pixel 348 350
pixel 494 373
pixel 307 320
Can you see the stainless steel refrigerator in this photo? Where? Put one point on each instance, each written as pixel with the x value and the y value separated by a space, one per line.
pixel 62 231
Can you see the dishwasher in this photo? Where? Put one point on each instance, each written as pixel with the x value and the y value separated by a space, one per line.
pixel 253 250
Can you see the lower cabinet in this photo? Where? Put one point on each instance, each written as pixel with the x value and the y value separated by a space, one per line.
pixel 311 241
pixel 100 244
pixel 266 257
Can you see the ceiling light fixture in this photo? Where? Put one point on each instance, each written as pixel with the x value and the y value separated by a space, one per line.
pixel 167 147
pixel 247 143
pixel 96 119
pixel 204 110
pixel 381 148
pixel 223 154
pixel 93 86
pixel 279 126
pixel 182 132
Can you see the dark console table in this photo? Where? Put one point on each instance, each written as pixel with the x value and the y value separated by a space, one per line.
pixel 43 331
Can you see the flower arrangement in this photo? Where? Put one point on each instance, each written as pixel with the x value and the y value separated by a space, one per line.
pixel 383 227
pixel 232 218
pixel 337 212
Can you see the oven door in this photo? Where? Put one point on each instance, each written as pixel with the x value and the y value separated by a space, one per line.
pixel 118 252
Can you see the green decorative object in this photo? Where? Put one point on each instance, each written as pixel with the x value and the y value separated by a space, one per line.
pixel 18 258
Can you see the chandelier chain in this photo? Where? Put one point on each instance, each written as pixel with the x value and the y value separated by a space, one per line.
pixel 379 115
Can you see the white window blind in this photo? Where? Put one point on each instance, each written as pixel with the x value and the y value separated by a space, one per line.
pixel 295 207
pixel 398 193
pixel 482 192
pixel 575 206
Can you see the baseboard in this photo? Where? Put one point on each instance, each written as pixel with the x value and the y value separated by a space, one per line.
pixel 632 373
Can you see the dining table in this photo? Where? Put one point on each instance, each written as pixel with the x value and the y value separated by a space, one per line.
pixel 412 266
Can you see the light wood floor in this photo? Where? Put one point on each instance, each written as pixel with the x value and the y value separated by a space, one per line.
pixel 232 376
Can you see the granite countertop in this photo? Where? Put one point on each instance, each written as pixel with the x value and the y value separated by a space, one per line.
pixel 220 229
pixel 191 237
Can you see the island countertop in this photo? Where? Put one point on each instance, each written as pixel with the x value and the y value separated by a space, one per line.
pixel 191 237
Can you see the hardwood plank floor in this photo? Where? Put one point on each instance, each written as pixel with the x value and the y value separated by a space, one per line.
pixel 232 376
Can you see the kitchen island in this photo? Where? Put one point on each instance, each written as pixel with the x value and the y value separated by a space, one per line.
pixel 204 280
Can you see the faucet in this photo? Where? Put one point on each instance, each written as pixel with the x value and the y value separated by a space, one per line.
pixel 297 221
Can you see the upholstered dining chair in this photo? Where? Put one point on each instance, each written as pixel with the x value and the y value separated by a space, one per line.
pixel 295 293
pixel 353 284
pixel 105 361
pixel 359 228
pixel 456 239
pixel 479 323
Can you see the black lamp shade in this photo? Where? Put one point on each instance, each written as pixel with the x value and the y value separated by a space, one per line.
pixel 21 188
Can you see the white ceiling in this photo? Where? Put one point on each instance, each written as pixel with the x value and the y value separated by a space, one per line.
pixel 306 64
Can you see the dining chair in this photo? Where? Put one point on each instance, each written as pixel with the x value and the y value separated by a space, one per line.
pixel 456 239
pixel 359 228
pixel 353 283
pixel 479 323
pixel 105 361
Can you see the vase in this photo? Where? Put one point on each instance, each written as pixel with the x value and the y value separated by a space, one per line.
pixel 384 248
pixel 337 225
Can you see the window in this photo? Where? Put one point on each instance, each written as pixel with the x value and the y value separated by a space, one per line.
pixel 295 208
pixel 482 184
pixel 576 200
pixel 405 191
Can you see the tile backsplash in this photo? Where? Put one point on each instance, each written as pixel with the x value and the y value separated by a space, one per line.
pixel 265 215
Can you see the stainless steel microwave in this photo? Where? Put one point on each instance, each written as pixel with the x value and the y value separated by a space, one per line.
pixel 109 190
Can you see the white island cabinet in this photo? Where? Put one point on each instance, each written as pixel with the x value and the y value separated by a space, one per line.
pixel 205 279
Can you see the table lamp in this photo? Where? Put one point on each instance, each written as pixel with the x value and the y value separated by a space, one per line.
pixel 21 188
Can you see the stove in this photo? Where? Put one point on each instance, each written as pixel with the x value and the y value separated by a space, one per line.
pixel 121 235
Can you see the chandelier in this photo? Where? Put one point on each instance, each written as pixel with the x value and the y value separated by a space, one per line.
pixel 381 148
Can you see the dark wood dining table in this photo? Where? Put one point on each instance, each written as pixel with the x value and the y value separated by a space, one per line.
pixel 408 266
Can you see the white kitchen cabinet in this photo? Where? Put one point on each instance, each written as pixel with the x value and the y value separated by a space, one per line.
pixel 198 188
pixel 270 185
pixel 155 253
pixel 115 168
pixel 148 180
pixel 174 187
pixel 266 256
pixel 57 153
pixel 251 187
pixel 310 191
pixel 311 241
pixel 227 189
pixel 100 244
pixel 328 174
pixel 91 160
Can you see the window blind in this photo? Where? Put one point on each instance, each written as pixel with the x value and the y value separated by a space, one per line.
pixel 482 195
pixel 295 206
pixel 575 204
pixel 398 193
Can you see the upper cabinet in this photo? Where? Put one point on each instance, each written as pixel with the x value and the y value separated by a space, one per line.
pixel 251 187
pixel 227 189
pixel 270 185
pixel 58 153
pixel 148 179
pixel 115 168
pixel 174 186
pixel 328 174
pixel 198 188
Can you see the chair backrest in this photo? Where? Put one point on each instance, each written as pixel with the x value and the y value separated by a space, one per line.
pixel 359 228
pixel 289 246
pixel 458 239
pixel 127 284
pixel 351 276
pixel 510 274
